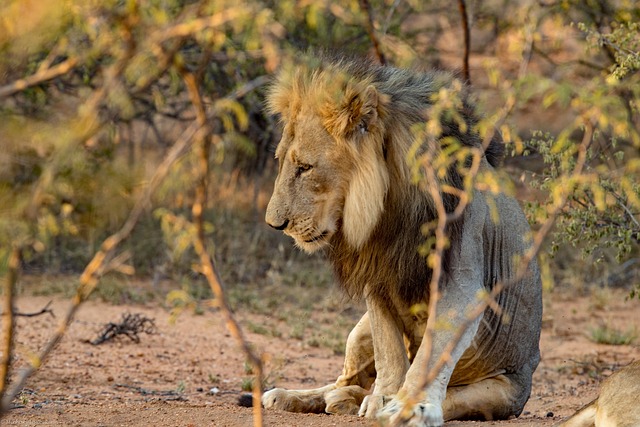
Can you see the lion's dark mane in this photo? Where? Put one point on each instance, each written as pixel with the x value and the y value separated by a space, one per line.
pixel 389 261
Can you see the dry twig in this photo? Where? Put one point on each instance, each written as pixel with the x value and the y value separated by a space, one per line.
pixel 462 6
pixel 130 326
pixel 8 319
pixel 39 77
pixel 366 7
pixel 43 310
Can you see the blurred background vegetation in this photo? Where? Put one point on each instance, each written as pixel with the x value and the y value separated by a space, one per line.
pixel 94 94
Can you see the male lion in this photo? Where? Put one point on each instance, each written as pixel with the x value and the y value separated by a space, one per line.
pixel 344 185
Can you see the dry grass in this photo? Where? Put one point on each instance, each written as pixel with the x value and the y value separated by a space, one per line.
pixel 607 334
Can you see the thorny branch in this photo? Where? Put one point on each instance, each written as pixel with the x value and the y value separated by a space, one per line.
pixel 441 242
pixel 529 256
pixel 490 298
pixel 88 279
pixel 95 268
pixel 207 263
pixel 100 262
pixel 91 274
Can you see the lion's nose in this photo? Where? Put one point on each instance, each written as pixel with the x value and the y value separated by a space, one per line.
pixel 279 227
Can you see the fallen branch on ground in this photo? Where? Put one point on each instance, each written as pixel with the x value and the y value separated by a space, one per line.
pixel 42 311
pixel 131 326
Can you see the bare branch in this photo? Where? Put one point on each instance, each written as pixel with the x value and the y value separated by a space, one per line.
pixel 390 13
pixel 90 275
pixel 490 299
pixel 43 310
pixel 366 7
pixel 39 77
pixel 196 26
pixel 206 261
pixel 462 6
pixel 8 320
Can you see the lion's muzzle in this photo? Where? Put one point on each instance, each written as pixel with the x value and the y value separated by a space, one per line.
pixel 281 226
pixel 275 215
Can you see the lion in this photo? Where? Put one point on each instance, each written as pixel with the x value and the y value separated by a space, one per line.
pixel 345 187
pixel 617 405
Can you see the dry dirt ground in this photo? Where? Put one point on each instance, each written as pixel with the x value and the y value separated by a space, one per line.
pixel 167 378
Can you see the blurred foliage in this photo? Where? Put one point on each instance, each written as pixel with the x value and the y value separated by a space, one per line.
pixel 93 94
pixel 603 209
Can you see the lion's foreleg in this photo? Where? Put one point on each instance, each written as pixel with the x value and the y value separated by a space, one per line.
pixel 308 401
pixel 429 411
pixel 390 356
pixel 358 372
pixel 359 366
pixel 347 393
pixel 459 294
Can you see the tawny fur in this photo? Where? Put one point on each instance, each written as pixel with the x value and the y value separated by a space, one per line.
pixel 617 405
pixel 345 186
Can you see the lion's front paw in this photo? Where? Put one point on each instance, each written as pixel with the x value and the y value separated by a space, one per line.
pixel 372 404
pixel 311 401
pixel 345 400
pixel 275 399
pixel 422 415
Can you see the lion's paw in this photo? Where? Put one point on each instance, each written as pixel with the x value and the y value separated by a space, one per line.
pixel 275 399
pixel 345 400
pixel 311 401
pixel 422 415
pixel 372 404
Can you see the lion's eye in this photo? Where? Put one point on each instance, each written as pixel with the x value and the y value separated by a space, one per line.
pixel 302 168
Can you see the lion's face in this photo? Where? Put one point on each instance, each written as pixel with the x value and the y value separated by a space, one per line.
pixel 332 175
pixel 309 193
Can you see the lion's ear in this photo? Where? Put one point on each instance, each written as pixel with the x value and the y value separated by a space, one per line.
pixel 368 114
pixel 363 110
pixel 359 112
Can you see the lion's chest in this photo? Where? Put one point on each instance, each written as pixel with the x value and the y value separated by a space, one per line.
pixel 414 324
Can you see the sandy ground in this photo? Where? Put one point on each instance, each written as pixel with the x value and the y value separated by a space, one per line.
pixel 190 372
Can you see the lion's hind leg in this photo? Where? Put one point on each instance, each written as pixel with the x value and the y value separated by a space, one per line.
pixel 308 401
pixel 496 398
